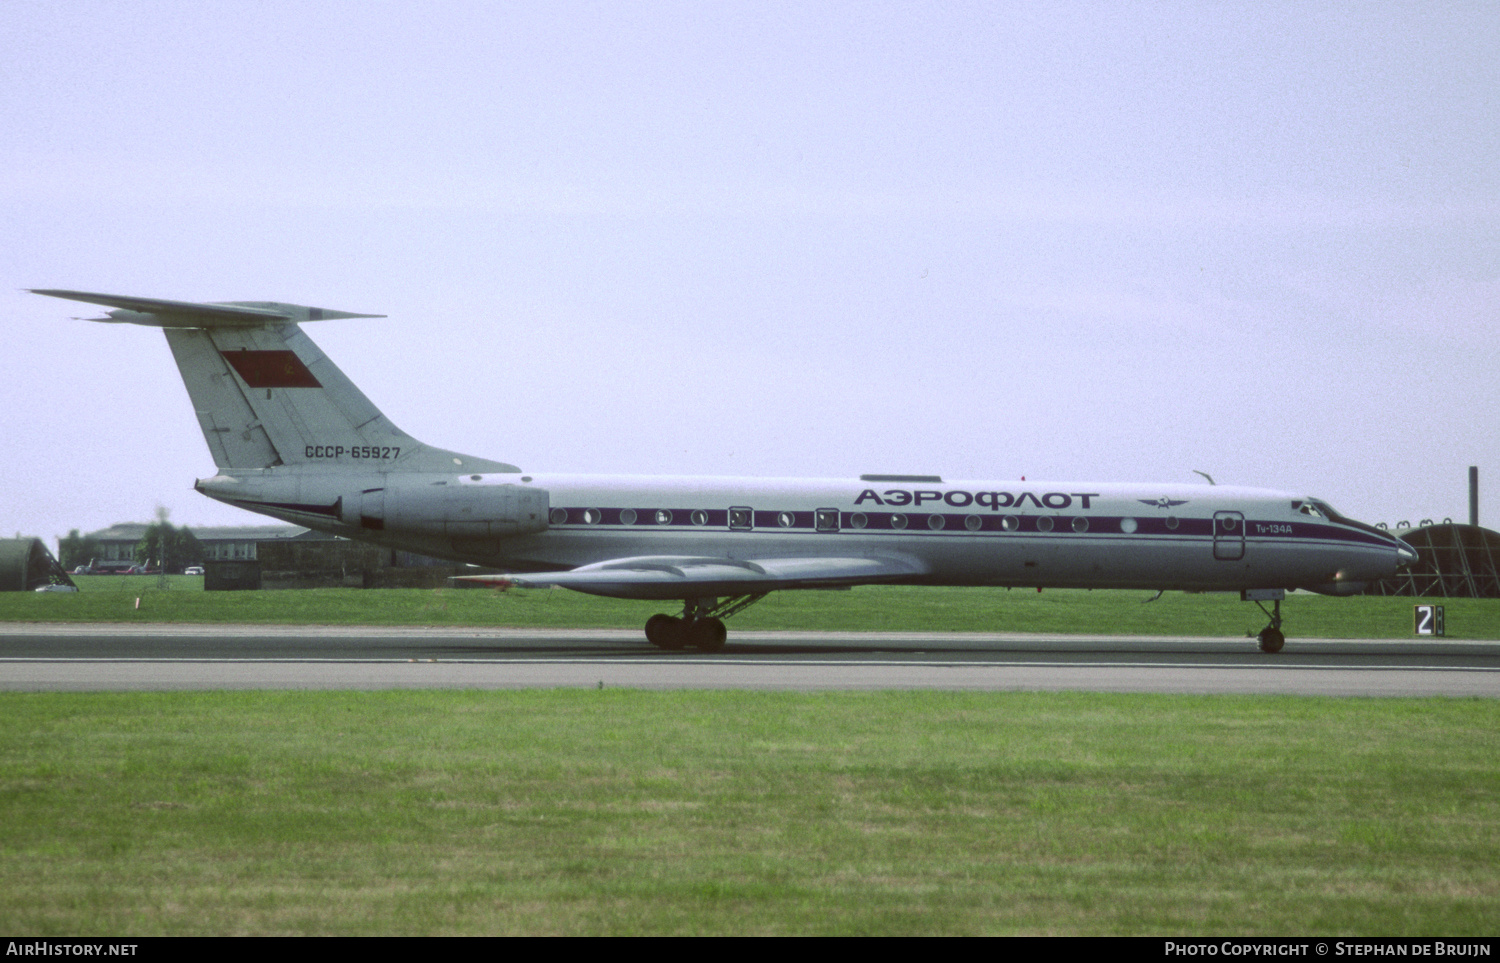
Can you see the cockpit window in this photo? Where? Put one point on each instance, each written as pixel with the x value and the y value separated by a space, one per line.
pixel 1322 509
pixel 1307 508
pixel 1327 510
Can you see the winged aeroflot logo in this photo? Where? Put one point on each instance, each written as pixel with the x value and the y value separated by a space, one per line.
pixel 1162 502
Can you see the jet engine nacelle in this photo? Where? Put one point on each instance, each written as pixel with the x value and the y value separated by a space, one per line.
pixel 450 509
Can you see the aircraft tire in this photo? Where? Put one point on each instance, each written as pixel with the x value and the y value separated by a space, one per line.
pixel 666 632
pixel 1271 639
pixel 707 635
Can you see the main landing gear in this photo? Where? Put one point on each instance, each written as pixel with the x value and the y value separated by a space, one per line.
pixel 701 625
pixel 1271 638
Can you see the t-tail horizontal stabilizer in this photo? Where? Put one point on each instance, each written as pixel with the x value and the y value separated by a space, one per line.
pixel 159 313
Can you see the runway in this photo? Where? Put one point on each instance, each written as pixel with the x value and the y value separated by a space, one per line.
pixel 116 657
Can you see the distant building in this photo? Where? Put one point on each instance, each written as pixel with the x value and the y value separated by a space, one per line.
pixel 285 556
pixel 221 543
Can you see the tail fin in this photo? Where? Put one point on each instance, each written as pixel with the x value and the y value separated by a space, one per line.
pixel 266 396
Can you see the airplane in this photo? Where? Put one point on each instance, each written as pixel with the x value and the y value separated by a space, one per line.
pixel 293 438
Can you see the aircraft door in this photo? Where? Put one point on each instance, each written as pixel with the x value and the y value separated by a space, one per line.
pixel 1229 536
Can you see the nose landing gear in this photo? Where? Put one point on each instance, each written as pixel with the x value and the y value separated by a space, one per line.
pixel 1271 639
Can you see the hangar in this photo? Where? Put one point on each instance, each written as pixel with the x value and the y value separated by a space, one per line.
pixel 26 565
pixel 1454 561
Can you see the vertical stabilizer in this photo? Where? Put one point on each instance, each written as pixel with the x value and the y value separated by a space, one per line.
pixel 236 438
pixel 266 396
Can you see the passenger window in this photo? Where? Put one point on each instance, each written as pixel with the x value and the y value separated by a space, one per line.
pixel 740 519
pixel 826 519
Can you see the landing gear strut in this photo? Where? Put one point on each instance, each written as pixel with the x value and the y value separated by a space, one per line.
pixel 1271 639
pixel 701 624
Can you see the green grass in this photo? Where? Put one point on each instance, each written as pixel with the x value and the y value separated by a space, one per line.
pixel 621 812
pixel 869 608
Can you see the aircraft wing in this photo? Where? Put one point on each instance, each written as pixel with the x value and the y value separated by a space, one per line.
pixel 678 576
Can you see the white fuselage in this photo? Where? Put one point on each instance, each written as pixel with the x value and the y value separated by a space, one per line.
pixel 1053 534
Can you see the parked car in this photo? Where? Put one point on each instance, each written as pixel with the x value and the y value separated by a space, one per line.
pixel 193 570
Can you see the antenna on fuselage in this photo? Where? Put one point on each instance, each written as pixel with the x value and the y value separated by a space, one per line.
pixel 1205 475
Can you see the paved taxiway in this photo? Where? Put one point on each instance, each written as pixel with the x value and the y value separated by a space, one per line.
pixel 97 657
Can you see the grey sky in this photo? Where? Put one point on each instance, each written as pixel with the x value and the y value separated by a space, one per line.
pixel 1069 241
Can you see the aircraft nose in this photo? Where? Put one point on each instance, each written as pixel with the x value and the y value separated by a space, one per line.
pixel 1405 554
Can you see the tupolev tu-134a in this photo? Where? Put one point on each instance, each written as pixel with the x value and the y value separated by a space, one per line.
pixel 294 439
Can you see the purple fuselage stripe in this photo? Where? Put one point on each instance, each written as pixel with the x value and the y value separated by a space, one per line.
pixel 957 523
